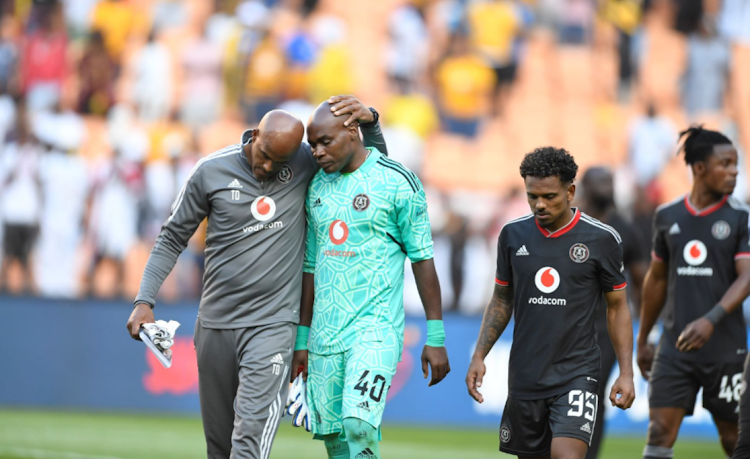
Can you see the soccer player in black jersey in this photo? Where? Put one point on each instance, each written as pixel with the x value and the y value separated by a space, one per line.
pixel 700 269
pixel 554 268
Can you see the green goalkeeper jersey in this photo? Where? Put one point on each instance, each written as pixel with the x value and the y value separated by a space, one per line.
pixel 360 228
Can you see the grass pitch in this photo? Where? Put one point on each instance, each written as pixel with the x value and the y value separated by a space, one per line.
pixel 28 434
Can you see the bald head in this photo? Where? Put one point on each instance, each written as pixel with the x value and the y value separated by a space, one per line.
pixel 333 144
pixel 275 141
pixel 280 134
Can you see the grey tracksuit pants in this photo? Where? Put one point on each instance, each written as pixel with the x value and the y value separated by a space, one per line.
pixel 243 384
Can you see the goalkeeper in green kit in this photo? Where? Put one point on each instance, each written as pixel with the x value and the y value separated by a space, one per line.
pixel 365 214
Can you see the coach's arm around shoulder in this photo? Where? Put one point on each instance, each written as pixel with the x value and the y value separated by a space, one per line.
pixel 188 211
pixel 496 318
pixel 620 327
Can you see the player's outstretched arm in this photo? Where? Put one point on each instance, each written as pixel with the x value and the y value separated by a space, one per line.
pixel 620 326
pixel 371 133
pixel 434 354
pixel 496 318
pixel 699 331
pixel 652 302
pixel 299 360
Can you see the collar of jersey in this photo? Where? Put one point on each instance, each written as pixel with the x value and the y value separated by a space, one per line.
pixel 560 231
pixel 703 212
pixel 372 158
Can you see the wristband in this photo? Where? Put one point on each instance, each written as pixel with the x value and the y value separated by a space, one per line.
pixel 435 333
pixel 300 344
pixel 715 315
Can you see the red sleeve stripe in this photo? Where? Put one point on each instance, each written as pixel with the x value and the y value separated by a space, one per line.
pixel 620 287
pixel 742 255
pixel 499 282
pixel 656 257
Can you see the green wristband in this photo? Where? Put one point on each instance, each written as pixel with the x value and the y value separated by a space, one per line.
pixel 300 344
pixel 435 333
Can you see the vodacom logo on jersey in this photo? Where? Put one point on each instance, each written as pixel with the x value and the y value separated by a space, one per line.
pixel 547 280
pixel 695 253
pixel 263 209
pixel 338 232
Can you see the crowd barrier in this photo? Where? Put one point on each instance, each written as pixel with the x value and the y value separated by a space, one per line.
pixel 78 355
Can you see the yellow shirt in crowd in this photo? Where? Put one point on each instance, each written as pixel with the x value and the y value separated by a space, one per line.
pixel 493 26
pixel 464 85
pixel 415 112
pixel 117 21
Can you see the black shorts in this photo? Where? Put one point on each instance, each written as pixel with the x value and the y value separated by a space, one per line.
pixel 19 241
pixel 505 75
pixel 528 426
pixel 675 383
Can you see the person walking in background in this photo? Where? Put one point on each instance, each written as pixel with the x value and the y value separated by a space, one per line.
pixel 598 201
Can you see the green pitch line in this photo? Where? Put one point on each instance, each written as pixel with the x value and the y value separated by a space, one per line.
pixel 29 434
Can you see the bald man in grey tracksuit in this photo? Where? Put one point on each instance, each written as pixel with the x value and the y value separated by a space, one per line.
pixel 253 194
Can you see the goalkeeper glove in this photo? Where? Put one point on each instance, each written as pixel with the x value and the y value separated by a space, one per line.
pixel 296 404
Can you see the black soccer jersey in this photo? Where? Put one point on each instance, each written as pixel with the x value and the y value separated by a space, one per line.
pixel 558 281
pixel 700 247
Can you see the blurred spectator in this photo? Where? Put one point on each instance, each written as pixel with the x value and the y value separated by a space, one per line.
pixel 494 26
pixel 113 223
pixel 688 15
pixel 464 85
pixel 168 14
pixel 8 55
pixel 301 53
pixel 576 22
pixel 408 47
pixel 78 15
pixel 21 201
pixel 707 73
pixel 651 144
pixel 44 63
pixel 332 73
pixel 734 21
pixel 118 21
pixel 96 73
pixel 201 94
pixel 153 80
pixel 58 264
pixel 413 111
pixel 264 80
pixel 625 16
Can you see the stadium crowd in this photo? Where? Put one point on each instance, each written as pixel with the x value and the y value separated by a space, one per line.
pixel 106 105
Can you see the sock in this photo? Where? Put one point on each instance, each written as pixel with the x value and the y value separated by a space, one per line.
pixel 657 452
pixel 335 447
pixel 362 438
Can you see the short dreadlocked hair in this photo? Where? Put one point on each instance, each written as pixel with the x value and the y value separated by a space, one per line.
pixel 548 162
pixel 699 143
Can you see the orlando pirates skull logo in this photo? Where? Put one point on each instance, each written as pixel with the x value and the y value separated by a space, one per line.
pixel 285 175
pixel 579 253
pixel 361 202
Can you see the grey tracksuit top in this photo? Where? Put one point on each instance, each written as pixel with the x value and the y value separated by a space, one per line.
pixel 255 240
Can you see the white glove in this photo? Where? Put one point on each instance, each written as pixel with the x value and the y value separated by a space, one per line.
pixel 162 334
pixel 296 404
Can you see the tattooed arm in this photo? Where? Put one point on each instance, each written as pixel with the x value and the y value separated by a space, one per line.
pixel 496 318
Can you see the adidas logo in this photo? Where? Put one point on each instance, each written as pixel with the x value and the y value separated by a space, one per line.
pixel 675 229
pixel 277 359
pixel 316 203
pixel 522 252
pixel 366 454
pixel 586 428
pixel 234 184
pixel 364 405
